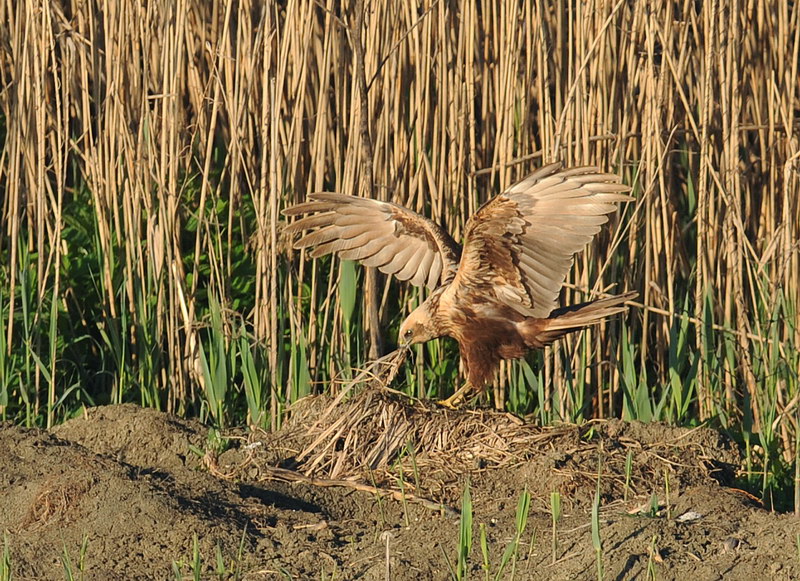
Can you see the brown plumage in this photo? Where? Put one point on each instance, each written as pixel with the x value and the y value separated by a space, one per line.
pixel 498 295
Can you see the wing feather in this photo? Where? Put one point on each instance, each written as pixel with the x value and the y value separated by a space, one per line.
pixel 339 244
pixel 380 234
pixel 330 233
pixel 425 270
pixel 436 271
pixel 363 252
pixel 381 258
pixel 409 270
pixel 399 260
pixel 521 244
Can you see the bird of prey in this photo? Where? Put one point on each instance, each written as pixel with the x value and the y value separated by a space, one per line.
pixel 497 296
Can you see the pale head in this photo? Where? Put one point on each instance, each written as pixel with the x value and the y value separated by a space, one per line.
pixel 419 326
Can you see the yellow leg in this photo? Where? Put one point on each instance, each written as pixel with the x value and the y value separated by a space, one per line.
pixel 457 399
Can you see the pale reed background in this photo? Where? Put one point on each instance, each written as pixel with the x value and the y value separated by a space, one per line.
pixel 178 131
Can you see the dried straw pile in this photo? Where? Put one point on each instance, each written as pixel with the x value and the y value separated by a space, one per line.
pixel 372 438
pixel 369 428
pixel 375 429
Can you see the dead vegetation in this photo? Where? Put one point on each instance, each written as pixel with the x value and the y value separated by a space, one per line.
pixel 384 442
pixel 53 503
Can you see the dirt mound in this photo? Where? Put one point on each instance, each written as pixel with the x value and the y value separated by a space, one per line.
pixel 138 436
pixel 124 494
pixel 58 495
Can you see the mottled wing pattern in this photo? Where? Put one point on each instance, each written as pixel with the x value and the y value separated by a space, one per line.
pixel 381 234
pixel 521 244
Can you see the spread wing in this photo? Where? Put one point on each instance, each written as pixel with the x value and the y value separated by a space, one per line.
pixel 521 244
pixel 381 234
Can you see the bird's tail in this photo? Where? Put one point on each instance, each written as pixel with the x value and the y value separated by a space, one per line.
pixel 541 332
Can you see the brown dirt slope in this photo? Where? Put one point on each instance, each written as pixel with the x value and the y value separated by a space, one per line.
pixel 124 483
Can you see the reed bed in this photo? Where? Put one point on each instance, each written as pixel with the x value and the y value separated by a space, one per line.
pixel 148 149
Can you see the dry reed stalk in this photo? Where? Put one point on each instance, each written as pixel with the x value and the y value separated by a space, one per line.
pixel 367 177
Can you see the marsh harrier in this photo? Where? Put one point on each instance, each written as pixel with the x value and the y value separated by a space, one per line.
pixel 498 295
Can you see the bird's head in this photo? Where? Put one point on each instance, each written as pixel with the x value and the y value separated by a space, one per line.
pixel 418 326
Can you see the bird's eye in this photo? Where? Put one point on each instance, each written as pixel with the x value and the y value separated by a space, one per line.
pixel 408 333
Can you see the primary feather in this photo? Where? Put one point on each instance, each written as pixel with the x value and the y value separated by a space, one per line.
pixel 389 237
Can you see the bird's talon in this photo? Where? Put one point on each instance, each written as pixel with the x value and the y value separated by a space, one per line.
pixel 451 402
pixel 456 400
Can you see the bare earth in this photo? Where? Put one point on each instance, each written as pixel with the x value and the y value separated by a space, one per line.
pixel 124 482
